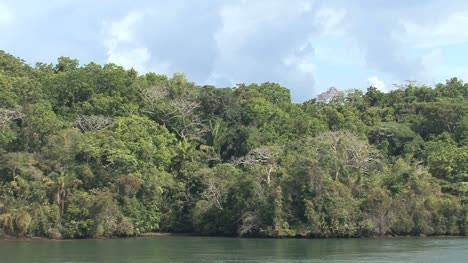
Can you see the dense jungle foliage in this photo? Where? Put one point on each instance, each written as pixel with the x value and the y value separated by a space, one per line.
pixel 100 151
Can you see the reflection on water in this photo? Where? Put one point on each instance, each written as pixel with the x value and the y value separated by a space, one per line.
pixel 201 249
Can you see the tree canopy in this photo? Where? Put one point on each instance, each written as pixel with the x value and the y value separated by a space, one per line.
pixel 100 151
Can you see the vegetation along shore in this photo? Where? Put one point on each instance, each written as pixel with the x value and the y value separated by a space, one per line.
pixel 92 151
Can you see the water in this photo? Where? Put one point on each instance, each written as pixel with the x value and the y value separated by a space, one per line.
pixel 200 249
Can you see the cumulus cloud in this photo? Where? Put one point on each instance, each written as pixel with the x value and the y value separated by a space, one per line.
pixel 122 31
pixel 388 33
pixel 122 44
pixel 450 31
pixel 382 49
pixel 377 83
pixel 257 43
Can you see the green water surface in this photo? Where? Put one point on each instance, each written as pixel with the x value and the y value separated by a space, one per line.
pixel 203 249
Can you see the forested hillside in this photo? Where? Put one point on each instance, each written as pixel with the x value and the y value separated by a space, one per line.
pixel 100 151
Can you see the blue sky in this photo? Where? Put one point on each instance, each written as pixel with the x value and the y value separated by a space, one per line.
pixel 305 45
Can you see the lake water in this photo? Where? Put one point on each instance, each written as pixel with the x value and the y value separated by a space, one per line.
pixel 204 249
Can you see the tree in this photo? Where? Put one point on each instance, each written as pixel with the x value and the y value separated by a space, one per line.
pixel 332 95
pixel 93 123
pixel 374 97
pixel 8 115
pixel 396 140
pixel 446 160
pixel 101 151
pixel 62 184
pixel 343 154
pixel 267 157
pixel 175 107
pixel 40 121
pixel 66 64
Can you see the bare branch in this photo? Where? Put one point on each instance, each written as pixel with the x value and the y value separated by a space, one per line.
pixel 265 157
pixel 332 95
pixel 213 192
pixel 178 114
pixel 7 115
pixel 93 122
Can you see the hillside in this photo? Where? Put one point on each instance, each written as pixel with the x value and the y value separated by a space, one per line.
pixel 100 151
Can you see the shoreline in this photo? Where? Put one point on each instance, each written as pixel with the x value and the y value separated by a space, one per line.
pixel 169 234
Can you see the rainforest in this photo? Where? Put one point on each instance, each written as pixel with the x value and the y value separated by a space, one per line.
pixel 90 151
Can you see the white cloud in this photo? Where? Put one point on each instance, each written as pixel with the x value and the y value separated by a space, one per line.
pixel 122 44
pixel 304 52
pixel 267 41
pixel 376 82
pixel 249 20
pixel 301 59
pixel 136 58
pixel 451 30
pixel 6 15
pixel 122 31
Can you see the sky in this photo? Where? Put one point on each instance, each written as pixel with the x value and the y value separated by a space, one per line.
pixel 307 46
